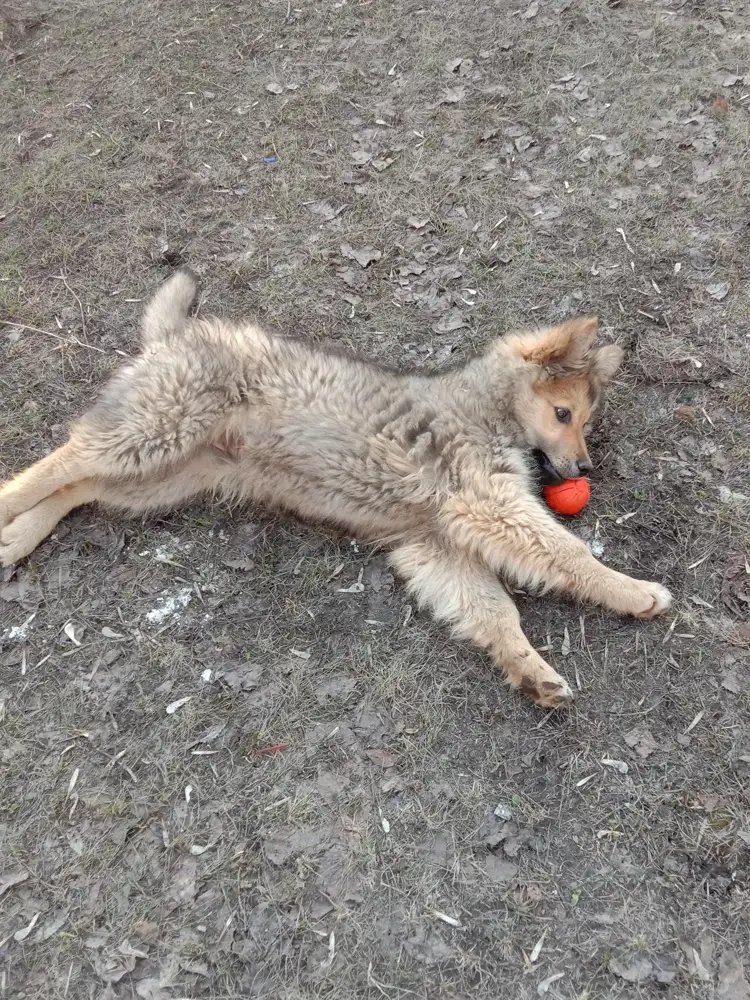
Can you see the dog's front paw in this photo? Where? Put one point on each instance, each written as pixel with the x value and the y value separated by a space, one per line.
pixel 655 600
pixel 544 686
pixel 19 538
pixel 554 694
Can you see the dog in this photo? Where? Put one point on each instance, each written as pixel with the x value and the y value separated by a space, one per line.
pixel 438 467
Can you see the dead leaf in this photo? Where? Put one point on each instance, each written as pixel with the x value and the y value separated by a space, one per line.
pixel 109 633
pixel 619 765
pixel 719 290
pixel 642 741
pixel 274 88
pixel 360 157
pixel 324 209
pixel 695 963
pixel 633 970
pixel 73 632
pixel 348 275
pixel 11 879
pixel 182 888
pixel 720 106
pixel 245 677
pixel 531 11
pixel 337 687
pixel 565 647
pixel 126 948
pixel 383 757
pixel 731 984
pixel 499 871
pixel 175 706
pixel 113 968
pixel 452 95
pixel 729 681
pixel 24 932
pixel 150 989
pixel 613 148
pixel 454 319
pixel 394 783
pixel 284 843
pixel 364 256
pixel 545 984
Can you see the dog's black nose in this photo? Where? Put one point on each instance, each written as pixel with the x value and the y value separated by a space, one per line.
pixel 584 466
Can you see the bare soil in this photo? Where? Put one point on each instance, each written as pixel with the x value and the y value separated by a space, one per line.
pixel 234 761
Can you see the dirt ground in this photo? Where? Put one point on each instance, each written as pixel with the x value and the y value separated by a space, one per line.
pixel 234 760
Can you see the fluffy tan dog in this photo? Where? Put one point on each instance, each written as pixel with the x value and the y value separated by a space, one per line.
pixel 436 467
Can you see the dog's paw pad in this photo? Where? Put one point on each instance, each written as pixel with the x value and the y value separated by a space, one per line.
pixel 547 694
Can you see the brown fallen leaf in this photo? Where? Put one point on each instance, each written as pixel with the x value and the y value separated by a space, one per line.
pixel 729 681
pixel 642 741
pixel 364 256
pixel 499 871
pixel 639 969
pixel 488 134
pixel 719 290
pixel 731 984
pixel 10 879
pixel 720 107
pixel 452 95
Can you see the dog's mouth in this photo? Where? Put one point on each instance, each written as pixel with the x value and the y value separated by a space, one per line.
pixel 550 475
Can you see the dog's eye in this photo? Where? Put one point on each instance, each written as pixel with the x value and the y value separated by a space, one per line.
pixel 563 415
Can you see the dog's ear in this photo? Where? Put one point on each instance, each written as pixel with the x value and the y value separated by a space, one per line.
pixel 561 349
pixel 605 363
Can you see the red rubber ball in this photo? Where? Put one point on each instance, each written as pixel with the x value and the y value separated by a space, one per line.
pixel 569 497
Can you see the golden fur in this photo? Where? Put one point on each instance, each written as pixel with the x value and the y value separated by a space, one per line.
pixel 437 468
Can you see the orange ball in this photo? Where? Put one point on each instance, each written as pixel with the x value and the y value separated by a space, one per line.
pixel 569 497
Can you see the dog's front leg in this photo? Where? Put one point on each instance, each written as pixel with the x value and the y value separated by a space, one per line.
pixel 515 536
pixel 463 591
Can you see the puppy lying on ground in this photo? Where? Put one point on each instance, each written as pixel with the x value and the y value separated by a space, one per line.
pixel 436 467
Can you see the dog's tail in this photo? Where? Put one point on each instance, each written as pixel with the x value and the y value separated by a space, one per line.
pixel 168 309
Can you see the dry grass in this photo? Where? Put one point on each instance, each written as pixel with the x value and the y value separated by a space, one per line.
pixel 616 158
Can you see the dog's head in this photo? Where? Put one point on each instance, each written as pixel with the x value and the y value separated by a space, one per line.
pixel 554 402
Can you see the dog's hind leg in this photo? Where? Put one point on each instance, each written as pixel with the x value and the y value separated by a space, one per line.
pixel 463 591
pixel 39 481
pixel 202 474
pixel 22 535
